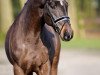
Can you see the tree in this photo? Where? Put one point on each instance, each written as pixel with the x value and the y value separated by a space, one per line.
pixel 73 15
pixel 0 15
pixel 6 14
pixel 22 2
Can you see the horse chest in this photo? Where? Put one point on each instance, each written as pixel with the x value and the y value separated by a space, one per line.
pixel 34 57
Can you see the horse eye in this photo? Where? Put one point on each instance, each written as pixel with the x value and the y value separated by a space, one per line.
pixel 53 5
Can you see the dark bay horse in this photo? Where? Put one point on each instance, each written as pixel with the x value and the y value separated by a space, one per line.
pixel 33 41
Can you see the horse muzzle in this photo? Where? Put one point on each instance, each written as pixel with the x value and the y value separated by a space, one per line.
pixel 66 33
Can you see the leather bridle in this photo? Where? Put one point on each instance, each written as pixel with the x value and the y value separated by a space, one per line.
pixel 54 21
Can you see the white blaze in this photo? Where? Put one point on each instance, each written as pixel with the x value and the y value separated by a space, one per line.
pixel 61 2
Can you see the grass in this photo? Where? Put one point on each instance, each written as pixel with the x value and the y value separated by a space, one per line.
pixel 82 43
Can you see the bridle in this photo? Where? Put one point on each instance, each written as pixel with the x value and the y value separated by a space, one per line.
pixel 54 21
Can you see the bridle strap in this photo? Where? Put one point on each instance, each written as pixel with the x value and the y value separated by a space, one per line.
pixel 56 28
pixel 62 18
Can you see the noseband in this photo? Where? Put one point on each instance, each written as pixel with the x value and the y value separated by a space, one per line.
pixel 54 22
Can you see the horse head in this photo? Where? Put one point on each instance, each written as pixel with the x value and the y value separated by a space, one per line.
pixel 56 15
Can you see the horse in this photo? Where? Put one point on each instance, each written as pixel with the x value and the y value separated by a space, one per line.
pixel 33 41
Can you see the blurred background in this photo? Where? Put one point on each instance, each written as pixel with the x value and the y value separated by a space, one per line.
pixel 80 56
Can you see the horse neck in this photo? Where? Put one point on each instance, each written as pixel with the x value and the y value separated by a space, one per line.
pixel 32 20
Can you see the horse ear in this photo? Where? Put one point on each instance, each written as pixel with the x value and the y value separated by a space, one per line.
pixel 43 2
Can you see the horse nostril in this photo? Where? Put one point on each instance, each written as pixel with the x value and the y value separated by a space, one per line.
pixel 67 36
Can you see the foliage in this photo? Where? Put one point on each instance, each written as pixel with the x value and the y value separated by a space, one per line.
pixel 2 38
pixel 16 7
pixel 82 43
